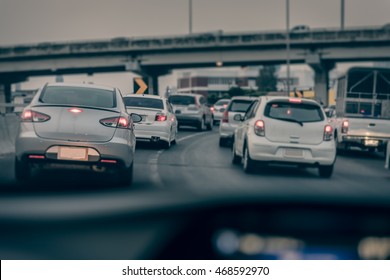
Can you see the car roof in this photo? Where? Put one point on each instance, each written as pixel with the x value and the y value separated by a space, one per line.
pixel 244 98
pixel 145 96
pixel 80 85
pixel 287 98
pixel 187 94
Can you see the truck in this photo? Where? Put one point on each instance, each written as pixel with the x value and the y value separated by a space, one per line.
pixel 363 109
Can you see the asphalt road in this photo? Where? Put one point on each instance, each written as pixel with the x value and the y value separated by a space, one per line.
pixel 198 165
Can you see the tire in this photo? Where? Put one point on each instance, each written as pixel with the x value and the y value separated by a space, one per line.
pixel 222 142
pixel 22 170
pixel 235 158
pixel 325 171
pixel 165 144
pixel 126 175
pixel 248 164
pixel 210 125
pixel 201 126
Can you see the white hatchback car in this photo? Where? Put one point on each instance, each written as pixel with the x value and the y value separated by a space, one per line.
pixel 283 130
pixel 158 124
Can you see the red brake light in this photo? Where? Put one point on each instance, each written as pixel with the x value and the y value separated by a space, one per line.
pixel 225 118
pixel 75 110
pixel 345 126
pixel 116 122
pixel 295 100
pixel 259 128
pixel 32 116
pixel 160 117
pixel 212 109
pixel 328 133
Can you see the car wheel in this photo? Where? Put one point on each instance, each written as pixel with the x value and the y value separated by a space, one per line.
pixel 165 144
pixel 325 171
pixel 235 158
pixel 222 142
pixel 22 170
pixel 210 125
pixel 202 125
pixel 248 164
pixel 126 175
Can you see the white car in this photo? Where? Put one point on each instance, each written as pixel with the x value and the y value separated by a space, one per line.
pixel 218 109
pixel 283 130
pixel 192 110
pixel 237 105
pixel 158 124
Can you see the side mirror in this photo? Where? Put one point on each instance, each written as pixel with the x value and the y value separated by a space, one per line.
pixel 238 118
pixel 136 118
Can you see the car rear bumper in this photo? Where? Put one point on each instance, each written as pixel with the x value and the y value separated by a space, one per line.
pixel 190 120
pixel 365 141
pixel 310 155
pixel 118 149
pixel 226 130
pixel 144 132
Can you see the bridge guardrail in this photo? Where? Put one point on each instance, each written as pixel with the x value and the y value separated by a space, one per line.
pixel 211 39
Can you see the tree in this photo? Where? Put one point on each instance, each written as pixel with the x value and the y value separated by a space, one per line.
pixel 236 91
pixel 267 79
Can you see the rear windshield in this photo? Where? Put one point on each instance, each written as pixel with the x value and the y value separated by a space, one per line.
pixel 222 102
pixel 182 100
pixel 143 102
pixel 240 106
pixel 78 96
pixel 294 111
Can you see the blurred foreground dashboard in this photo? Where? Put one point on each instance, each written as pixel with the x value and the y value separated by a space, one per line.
pixel 181 226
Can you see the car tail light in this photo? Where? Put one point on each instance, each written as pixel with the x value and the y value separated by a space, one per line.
pixel 116 122
pixel 212 109
pixel 345 126
pixel 295 100
pixel 160 117
pixel 328 133
pixel 32 116
pixel 225 118
pixel 259 128
pixel 75 110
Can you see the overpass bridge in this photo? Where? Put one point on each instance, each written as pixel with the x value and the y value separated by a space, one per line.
pixel 319 48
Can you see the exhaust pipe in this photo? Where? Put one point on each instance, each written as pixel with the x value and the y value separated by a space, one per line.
pixel 99 169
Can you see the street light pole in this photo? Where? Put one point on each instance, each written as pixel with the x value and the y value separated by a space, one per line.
pixel 190 16
pixel 342 13
pixel 288 44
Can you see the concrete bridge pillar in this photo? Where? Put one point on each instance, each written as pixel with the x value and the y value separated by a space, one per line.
pixel 153 74
pixel 321 76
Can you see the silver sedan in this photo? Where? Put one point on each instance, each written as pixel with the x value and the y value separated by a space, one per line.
pixel 159 124
pixel 76 126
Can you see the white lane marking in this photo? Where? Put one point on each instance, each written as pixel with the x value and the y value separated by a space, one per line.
pixel 189 136
pixel 154 176
pixel 153 161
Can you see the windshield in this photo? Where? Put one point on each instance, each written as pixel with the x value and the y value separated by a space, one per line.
pixel 294 112
pixel 182 100
pixel 222 102
pixel 78 96
pixel 240 106
pixel 195 129
pixel 143 102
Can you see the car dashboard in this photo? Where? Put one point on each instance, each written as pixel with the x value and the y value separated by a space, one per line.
pixel 187 227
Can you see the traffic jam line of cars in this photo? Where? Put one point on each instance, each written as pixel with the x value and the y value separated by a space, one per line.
pixel 96 128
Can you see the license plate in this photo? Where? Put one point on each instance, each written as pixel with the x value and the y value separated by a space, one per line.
pixel 72 153
pixel 371 143
pixel 293 153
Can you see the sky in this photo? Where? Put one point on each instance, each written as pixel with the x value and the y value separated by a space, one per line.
pixel 35 21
